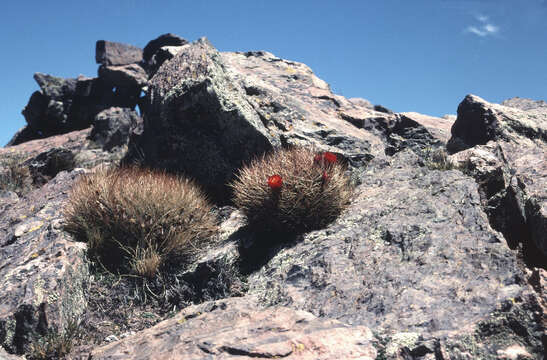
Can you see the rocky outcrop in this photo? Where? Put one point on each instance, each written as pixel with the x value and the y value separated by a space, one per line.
pixel 423 264
pixel 161 49
pixel 65 105
pixel 209 112
pixel 479 122
pixel 511 167
pixel 524 104
pixel 413 249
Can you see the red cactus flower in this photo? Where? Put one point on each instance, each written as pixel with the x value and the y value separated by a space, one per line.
pixel 275 182
pixel 317 159
pixel 325 176
pixel 329 157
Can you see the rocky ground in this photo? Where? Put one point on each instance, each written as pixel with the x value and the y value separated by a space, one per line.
pixel 442 253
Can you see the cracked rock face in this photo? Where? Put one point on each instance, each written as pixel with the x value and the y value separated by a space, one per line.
pixel 210 112
pixel 41 270
pixel 511 168
pixel 237 329
pixel 423 264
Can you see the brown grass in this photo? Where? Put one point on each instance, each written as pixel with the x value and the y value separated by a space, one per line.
pixel 306 200
pixel 136 220
pixel 14 174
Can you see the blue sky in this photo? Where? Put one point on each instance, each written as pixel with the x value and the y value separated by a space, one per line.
pixel 420 55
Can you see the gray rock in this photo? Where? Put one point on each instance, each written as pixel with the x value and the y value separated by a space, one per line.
pixel 55 109
pixel 114 53
pixel 237 329
pixel 524 104
pixel 132 75
pixel 56 88
pixel 210 112
pixel 163 40
pixel 479 122
pixel 41 270
pixel 413 249
pixel 512 171
pixel 112 126
pixel 48 164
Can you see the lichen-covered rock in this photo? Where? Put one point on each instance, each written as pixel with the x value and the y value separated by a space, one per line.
pixel 237 329
pixel 210 112
pixel 42 270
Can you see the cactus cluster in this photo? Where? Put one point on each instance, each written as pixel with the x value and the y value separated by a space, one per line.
pixel 292 190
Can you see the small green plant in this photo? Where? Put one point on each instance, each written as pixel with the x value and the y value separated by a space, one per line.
pixel 438 159
pixel 292 190
pixel 137 221
pixel 55 345
pixel 14 174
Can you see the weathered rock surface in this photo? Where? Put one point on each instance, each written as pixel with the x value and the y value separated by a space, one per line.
pixel 161 49
pixel 112 126
pixel 163 40
pixel 210 112
pixel 524 104
pixel 413 250
pixel 41 270
pixel 237 329
pixel 114 53
pixel 424 264
pixel 511 167
pixel 479 122
pixel 402 130
pixel 47 110
pixel 132 75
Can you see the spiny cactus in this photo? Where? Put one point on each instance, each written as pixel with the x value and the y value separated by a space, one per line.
pixel 292 190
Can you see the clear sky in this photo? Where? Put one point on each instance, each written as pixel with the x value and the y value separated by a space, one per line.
pixel 408 55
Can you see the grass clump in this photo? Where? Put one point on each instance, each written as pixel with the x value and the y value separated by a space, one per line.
pixel 292 190
pixel 55 345
pixel 438 159
pixel 14 174
pixel 138 221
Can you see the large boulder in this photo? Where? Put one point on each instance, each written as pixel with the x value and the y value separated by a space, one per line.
pixel 163 40
pixel 161 49
pixel 209 112
pixel 47 110
pixel 115 53
pixel 132 75
pixel 511 167
pixel 63 105
pixel 479 122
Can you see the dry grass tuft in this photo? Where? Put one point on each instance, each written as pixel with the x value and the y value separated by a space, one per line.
pixel 314 190
pixel 14 174
pixel 137 220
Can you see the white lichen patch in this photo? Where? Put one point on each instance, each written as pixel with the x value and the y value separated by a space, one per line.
pixel 400 340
